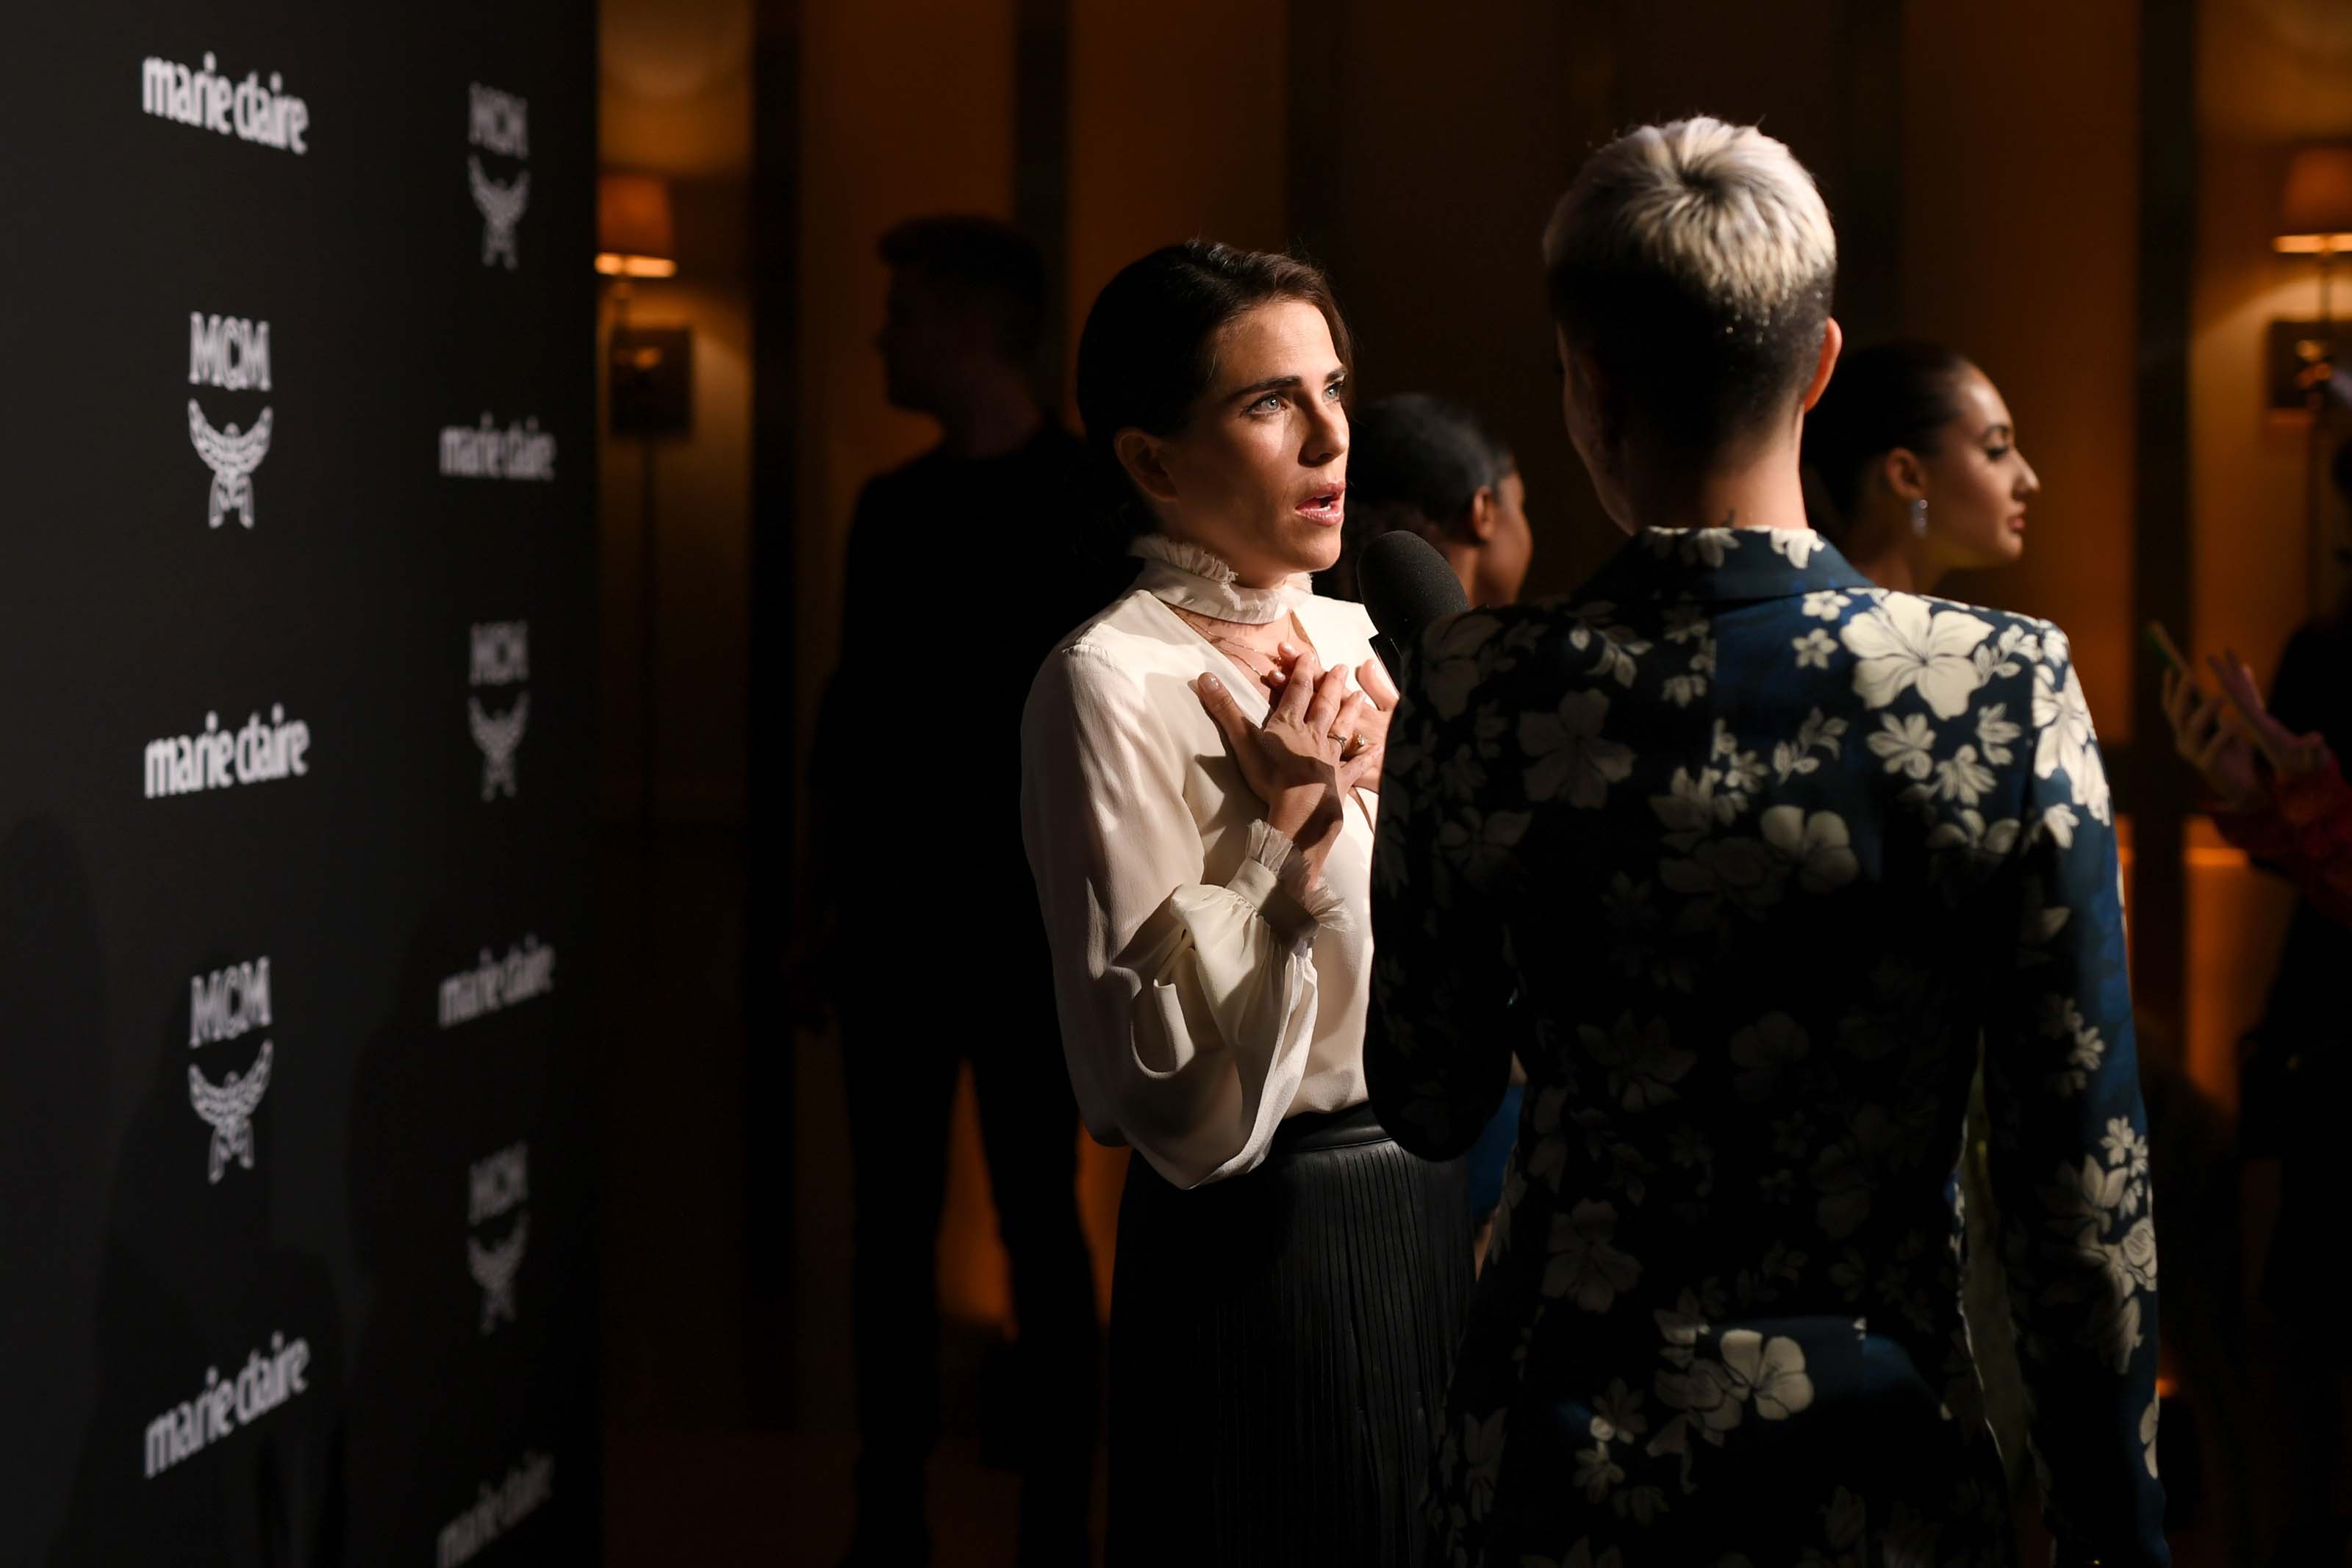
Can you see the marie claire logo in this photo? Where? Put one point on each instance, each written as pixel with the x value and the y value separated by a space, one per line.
pixel 224 1005
pixel 498 123
pixel 501 657
pixel 497 1508
pixel 521 450
pixel 498 1186
pixel 232 353
pixel 269 1379
pixel 209 100
pixel 217 758
pixel 528 971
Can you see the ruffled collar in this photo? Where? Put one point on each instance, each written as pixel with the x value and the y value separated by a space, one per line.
pixel 1181 573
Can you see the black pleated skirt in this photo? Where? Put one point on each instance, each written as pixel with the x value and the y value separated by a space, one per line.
pixel 1280 1345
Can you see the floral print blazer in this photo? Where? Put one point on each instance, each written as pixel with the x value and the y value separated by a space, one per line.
pixel 1744 857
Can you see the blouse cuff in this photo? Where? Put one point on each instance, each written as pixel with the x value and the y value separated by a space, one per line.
pixel 1275 879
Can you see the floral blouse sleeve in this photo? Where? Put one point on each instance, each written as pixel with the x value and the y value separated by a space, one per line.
pixel 2070 1161
pixel 1437 1068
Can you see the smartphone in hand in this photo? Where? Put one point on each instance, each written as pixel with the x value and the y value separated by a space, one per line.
pixel 2170 652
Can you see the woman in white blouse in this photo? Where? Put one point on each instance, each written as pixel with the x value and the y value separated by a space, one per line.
pixel 1199 775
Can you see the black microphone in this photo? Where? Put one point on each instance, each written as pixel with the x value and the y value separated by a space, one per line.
pixel 1406 585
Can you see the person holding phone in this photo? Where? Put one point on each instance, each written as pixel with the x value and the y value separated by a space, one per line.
pixel 2273 789
pixel 2275 794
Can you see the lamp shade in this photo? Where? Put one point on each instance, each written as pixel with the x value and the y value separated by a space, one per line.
pixel 633 237
pixel 2317 212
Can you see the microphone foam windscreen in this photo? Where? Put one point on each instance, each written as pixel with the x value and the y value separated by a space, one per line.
pixel 1406 585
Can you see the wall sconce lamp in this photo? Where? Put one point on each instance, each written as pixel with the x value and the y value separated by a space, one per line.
pixel 633 235
pixel 2315 220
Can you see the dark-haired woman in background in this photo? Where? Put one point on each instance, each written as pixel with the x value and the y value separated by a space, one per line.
pixel 1198 790
pixel 1912 469
pixel 1915 456
pixel 1431 467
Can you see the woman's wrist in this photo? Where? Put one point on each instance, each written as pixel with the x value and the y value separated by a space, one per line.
pixel 1291 814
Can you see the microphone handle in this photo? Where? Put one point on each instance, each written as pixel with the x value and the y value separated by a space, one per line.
pixel 1385 646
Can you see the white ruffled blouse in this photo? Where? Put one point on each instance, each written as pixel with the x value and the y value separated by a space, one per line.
pixel 1206 988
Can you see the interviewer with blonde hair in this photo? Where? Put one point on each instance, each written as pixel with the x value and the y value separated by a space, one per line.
pixel 1742 855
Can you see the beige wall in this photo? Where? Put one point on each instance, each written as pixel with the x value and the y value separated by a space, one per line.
pixel 2020 233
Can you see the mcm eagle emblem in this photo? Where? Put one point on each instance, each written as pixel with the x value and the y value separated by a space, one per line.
pixel 498 738
pixel 494 1269
pixel 502 207
pixel 232 458
pixel 227 1108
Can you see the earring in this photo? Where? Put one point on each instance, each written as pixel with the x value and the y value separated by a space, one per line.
pixel 1920 516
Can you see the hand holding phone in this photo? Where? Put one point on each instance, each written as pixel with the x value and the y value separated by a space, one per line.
pixel 2201 732
pixel 2166 648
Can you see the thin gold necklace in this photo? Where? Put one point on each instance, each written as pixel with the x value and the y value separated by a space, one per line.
pixel 1204 625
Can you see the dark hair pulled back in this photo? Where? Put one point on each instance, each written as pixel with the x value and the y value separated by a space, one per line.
pixel 1882 397
pixel 1149 348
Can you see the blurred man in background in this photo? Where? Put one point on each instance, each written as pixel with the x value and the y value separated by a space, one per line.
pixel 927 939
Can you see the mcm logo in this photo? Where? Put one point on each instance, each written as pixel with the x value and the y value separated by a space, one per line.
pixel 501 208
pixel 497 120
pixel 494 1269
pixel 231 354
pixel 502 656
pixel 498 1185
pixel 501 123
pixel 498 738
pixel 228 1106
pixel 224 1005
pixel 232 458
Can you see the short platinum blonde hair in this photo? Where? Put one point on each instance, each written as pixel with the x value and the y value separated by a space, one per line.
pixel 1694 262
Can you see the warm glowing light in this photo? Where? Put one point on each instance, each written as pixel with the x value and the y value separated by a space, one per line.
pixel 2166 1387
pixel 635 236
pixel 613 264
pixel 2311 244
pixel 2315 209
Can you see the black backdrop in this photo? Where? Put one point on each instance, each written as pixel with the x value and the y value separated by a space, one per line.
pixel 385 1257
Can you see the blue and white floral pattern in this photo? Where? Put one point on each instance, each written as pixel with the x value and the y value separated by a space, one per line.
pixel 1742 856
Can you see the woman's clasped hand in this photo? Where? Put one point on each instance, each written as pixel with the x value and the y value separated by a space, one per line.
pixel 1320 741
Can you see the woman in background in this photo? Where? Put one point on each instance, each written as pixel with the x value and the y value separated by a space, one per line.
pixel 1914 467
pixel 1429 468
pixel 1198 788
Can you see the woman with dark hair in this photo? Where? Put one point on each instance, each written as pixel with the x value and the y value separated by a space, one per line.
pixel 1198 786
pixel 1429 468
pixel 1912 467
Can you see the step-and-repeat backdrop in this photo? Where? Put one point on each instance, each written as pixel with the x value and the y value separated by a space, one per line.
pixel 296 360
